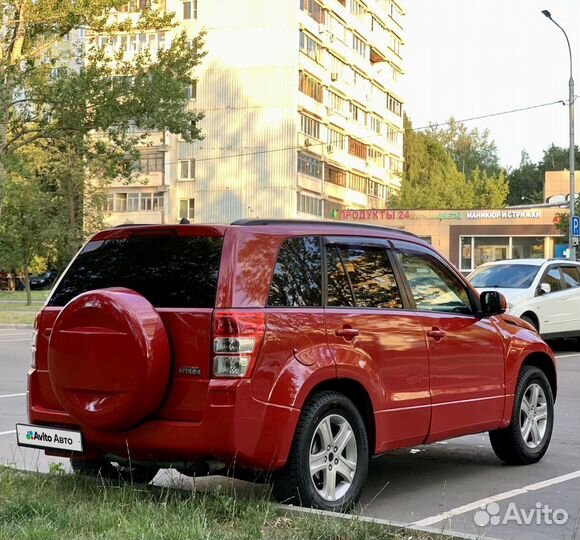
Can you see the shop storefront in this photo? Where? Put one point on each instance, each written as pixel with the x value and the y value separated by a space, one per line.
pixel 470 238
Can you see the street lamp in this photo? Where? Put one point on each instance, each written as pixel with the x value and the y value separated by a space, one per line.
pixel 571 252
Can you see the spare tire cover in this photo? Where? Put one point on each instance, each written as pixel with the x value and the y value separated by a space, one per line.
pixel 109 358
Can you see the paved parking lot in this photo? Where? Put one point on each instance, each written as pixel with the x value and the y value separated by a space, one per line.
pixel 442 486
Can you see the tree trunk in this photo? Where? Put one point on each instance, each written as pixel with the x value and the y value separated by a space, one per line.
pixel 26 279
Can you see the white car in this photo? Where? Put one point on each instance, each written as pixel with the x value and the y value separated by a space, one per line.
pixel 543 292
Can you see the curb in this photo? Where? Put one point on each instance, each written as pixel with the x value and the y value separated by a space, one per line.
pixel 23 326
pixel 282 509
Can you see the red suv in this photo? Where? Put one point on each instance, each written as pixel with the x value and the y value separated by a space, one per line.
pixel 292 348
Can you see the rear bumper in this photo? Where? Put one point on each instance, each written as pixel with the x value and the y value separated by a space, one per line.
pixel 235 428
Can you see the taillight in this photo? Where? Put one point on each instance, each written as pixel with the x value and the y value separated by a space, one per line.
pixel 34 340
pixel 237 336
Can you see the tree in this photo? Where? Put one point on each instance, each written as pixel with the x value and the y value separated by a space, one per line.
pixel 23 226
pixel 51 95
pixel 470 149
pixel 526 183
pixel 431 179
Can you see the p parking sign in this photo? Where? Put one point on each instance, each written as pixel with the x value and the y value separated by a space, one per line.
pixel 575 225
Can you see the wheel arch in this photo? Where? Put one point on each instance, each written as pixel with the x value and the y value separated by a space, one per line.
pixel 358 394
pixel 532 316
pixel 543 362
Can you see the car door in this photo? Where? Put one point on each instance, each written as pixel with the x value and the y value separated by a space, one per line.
pixel 376 340
pixel 466 352
pixel 571 297
pixel 554 312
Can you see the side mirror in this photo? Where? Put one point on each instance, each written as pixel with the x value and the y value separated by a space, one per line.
pixel 545 288
pixel 493 303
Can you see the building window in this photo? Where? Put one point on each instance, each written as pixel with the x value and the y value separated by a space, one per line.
pixel 190 9
pixel 360 46
pixel 375 123
pixel 110 203
pixel 191 91
pixel 377 190
pixel 476 250
pixel 337 103
pixel 151 202
pixel 334 175
pixel 132 202
pixel 314 9
pixel 151 162
pixel 358 114
pixel 357 148
pixel 336 139
pixel 337 28
pixel 134 6
pixel 357 8
pixel 394 105
pixel 357 182
pixel 309 205
pixel 120 202
pixel 376 157
pixel 309 165
pixel 187 209
pixel 310 47
pixel 310 86
pixel 309 126
pixel 394 135
pixel 187 169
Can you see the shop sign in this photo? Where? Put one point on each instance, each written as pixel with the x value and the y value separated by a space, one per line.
pixel 504 214
pixel 385 215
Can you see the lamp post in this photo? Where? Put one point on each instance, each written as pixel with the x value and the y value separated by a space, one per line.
pixel 572 254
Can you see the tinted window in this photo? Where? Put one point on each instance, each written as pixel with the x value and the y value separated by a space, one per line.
pixel 506 276
pixel 297 279
pixel 552 278
pixel 434 287
pixel 169 271
pixel 361 276
pixel 571 276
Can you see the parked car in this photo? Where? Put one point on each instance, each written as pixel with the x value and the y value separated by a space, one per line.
pixel 543 292
pixel 43 281
pixel 284 349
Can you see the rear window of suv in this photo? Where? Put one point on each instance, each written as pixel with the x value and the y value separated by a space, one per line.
pixel 170 271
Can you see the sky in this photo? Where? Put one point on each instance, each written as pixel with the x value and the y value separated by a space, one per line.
pixel 467 58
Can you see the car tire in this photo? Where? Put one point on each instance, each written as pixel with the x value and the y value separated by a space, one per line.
pixel 319 474
pixel 527 438
pixel 105 470
pixel 529 320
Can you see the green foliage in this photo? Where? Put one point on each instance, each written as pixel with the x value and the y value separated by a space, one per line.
pixel 82 112
pixel 469 149
pixel 527 181
pixel 431 179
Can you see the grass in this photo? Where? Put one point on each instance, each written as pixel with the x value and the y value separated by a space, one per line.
pixel 64 507
pixel 18 313
pixel 20 296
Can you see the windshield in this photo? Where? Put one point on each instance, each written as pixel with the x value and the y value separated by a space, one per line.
pixel 506 276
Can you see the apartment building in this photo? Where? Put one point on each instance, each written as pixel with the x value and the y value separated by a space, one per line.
pixel 303 114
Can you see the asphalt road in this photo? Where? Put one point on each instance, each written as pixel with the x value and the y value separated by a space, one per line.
pixel 443 486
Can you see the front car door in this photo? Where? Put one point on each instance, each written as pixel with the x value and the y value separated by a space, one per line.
pixel 466 352
pixel 376 339
pixel 559 310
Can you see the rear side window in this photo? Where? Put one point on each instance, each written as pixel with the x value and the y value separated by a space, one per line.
pixel 297 279
pixel 170 271
pixel 361 276
pixel 571 276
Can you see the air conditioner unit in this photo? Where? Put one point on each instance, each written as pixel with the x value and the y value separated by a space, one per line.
pixel 334 76
pixel 307 142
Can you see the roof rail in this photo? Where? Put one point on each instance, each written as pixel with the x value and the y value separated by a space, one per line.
pixel 123 225
pixel 339 224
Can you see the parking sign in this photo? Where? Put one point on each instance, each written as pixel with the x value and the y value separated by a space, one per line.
pixel 575 225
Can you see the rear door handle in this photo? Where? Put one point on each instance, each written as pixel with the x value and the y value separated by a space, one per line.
pixel 436 333
pixel 347 333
